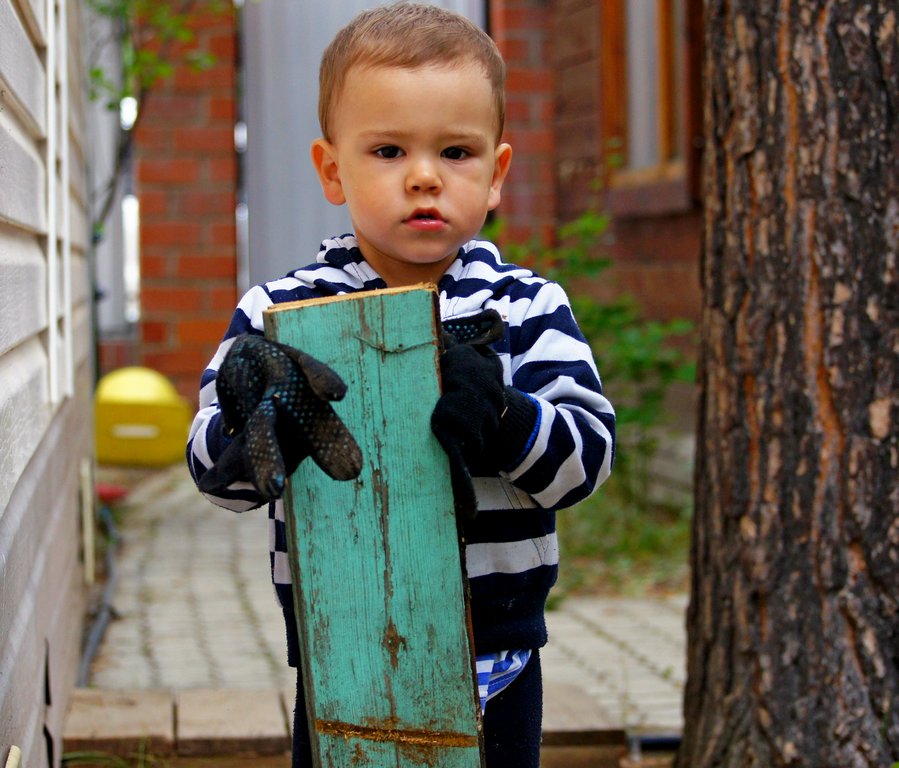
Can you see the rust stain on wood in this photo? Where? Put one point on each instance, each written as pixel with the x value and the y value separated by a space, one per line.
pixel 393 641
pixel 417 738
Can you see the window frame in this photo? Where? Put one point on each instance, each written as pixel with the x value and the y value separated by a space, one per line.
pixel 674 184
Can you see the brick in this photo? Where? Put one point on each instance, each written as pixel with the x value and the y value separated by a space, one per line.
pixel 678 241
pixel 222 169
pixel 516 51
pixel 211 19
pixel 114 354
pixel 186 363
pixel 120 722
pixel 222 108
pixel 524 17
pixel 529 80
pixel 221 45
pixel 533 141
pixel 199 330
pixel 170 233
pixel 164 170
pixel 152 137
pixel 186 385
pixel 171 299
pixel 219 75
pixel 207 267
pixel 152 265
pixel 223 233
pixel 204 140
pixel 153 202
pixel 664 292
pixel 154 332
pixel 222 299
pixel 516 232
pixel 166 108
pixel 222 722
pixel 518 110
pixel 204 201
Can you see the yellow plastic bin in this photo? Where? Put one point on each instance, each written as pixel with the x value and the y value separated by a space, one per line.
pixel 140 419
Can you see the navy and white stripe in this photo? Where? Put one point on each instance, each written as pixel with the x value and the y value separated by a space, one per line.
pixel 512 552
pixel 495 671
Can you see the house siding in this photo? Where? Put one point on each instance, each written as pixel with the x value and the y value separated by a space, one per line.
pixel 46 372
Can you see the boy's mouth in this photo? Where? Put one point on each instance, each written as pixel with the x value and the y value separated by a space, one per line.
pixel 425 219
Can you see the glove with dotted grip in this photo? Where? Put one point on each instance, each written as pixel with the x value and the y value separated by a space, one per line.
pixel 276 403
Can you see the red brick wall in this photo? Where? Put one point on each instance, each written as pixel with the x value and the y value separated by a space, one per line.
pixel 521 30
pixel 554 120
pixel 186 177
pixel 579 156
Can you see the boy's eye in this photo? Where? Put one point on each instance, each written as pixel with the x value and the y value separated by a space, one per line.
pixel 389 152
pixel 455 153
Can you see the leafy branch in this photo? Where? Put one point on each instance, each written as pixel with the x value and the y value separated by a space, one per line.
pixel 149 39
pixel 636 357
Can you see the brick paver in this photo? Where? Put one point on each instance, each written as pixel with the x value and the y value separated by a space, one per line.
pixel 196 610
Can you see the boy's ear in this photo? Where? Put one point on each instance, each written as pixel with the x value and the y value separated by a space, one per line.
pixel 502 161
pixel 324 158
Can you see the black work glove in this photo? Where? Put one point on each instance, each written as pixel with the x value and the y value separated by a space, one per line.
pixel 482 424
pixel 275 403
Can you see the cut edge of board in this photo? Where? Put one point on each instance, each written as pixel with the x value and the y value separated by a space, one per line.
pixel 288 305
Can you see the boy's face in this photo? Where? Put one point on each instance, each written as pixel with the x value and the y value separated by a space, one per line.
pixel 415 158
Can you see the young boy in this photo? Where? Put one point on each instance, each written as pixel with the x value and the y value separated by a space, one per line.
pixel 411 111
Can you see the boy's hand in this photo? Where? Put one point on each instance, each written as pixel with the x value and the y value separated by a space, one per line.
pixel 468 417
pixel 275 402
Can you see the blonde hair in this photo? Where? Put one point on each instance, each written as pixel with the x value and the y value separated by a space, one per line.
pixel 408 35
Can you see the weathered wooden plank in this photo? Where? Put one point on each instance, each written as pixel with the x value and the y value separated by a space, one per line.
pixel 376 561
pixel 571 717
pixel 120 722
pixel 227 722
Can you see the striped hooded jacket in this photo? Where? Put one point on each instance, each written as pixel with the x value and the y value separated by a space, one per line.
pixel 512 552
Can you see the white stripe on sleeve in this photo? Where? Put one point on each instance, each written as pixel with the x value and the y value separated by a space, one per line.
pixel 511 556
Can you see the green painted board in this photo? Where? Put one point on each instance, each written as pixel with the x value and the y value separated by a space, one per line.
pixel 376 563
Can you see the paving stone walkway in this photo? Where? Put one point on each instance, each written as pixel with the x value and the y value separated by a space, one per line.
pixel 195 609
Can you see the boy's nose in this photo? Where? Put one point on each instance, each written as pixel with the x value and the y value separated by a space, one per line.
pixel 423 177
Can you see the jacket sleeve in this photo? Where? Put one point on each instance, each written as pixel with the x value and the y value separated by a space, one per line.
pixel 206 440
pixel 571 448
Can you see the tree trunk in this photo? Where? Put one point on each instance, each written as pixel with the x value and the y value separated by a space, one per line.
pixel 793 624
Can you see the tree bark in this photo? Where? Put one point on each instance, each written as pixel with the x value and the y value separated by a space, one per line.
pixel 793 625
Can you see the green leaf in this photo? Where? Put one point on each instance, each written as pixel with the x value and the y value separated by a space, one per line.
pixel 637 358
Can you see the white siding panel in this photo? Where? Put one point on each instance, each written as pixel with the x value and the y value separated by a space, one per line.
pixel 43 440
pixel 77 67
pixel 83 342
pixel 77 170
pixel 33 13
pixel 22 297
pixel 78 226
pixel 81 288
pixel 41 598
pixel 24 414
pixel 22 190
pixel 21 69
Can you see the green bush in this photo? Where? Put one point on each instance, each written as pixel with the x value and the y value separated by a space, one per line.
pixel 620 538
